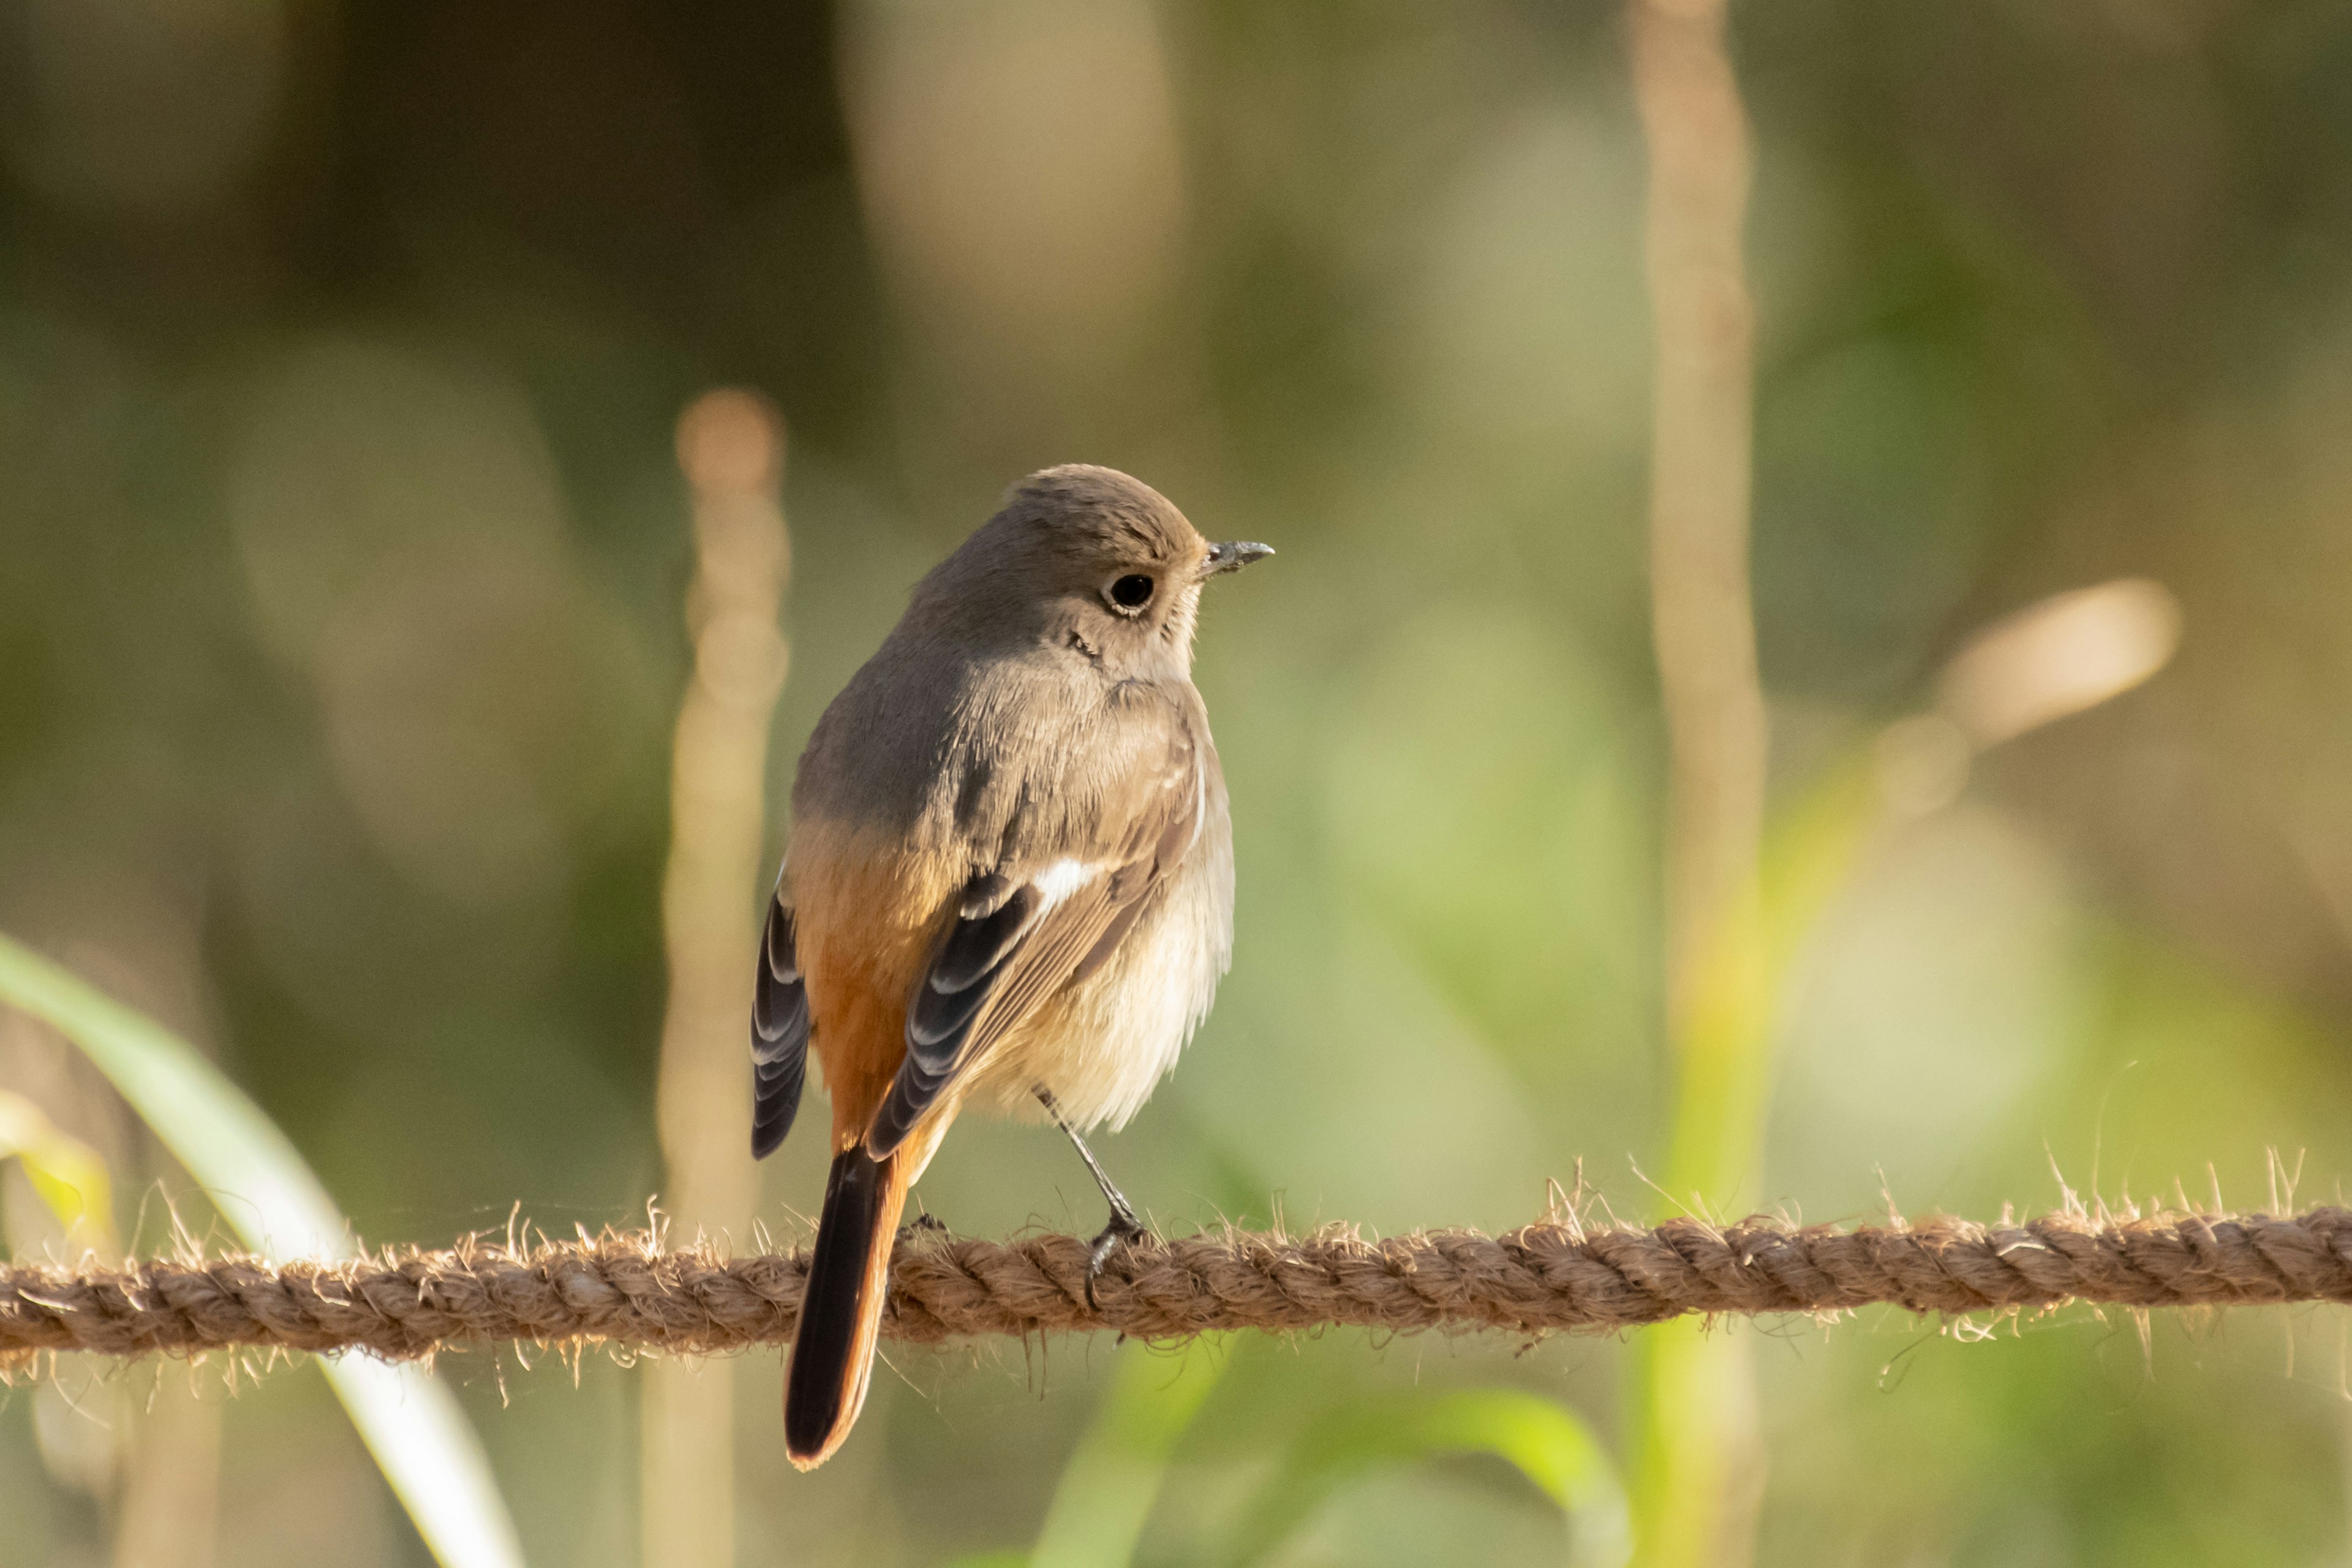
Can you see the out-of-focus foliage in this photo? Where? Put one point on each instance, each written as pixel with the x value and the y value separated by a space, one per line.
pixel 1112 1478
pixel 67 1174
pixel 1535 1437
pixel 341 560
pixel 275 1205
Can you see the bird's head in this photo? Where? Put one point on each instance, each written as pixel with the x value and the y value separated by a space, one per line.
pixel 1093 561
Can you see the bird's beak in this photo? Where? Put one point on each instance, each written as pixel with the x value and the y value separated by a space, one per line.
pixel 1233 555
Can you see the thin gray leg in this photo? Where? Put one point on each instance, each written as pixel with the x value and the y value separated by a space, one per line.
pixel 1123 1226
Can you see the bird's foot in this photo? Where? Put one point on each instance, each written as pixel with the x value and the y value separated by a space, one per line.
pixel 1123 1227
pixel 924 1221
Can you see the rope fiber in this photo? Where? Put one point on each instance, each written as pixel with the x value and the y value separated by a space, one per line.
pixel 628 1289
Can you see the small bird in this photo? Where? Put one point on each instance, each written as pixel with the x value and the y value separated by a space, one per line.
pixel 1010 880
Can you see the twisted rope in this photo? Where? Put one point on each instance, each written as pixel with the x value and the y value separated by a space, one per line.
pixel 623 1289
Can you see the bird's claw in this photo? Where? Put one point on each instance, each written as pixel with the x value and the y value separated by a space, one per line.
pixel 1123 1226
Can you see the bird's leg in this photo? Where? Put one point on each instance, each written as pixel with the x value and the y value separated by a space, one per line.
pixel 1123 1226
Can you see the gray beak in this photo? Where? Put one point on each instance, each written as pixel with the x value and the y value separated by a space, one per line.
pixel 1233 555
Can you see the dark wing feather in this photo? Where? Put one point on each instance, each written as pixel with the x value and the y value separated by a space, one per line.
pixel 780 1033
pixel 1008 952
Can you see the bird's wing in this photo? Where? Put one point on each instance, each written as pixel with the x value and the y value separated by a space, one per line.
pixel 1024 932
pixel 780 1032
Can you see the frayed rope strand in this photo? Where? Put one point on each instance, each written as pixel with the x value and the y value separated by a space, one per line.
pixel 626 1291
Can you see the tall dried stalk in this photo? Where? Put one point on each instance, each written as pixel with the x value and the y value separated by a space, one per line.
pixel 171 1492
pixel 730 448
pixel 1702 404
pixel 1698 1464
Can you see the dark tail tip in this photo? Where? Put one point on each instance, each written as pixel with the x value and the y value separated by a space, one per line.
pixel 825 1383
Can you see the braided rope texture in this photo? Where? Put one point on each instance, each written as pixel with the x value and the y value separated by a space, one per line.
pixel 627 1289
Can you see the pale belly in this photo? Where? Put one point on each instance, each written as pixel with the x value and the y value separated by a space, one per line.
pixel 1103 1046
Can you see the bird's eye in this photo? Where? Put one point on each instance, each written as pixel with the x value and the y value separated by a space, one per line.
pixel 1132 591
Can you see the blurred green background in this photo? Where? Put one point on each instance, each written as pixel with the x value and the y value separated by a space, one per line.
pixel 342 551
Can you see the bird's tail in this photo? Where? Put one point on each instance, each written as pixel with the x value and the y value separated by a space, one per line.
pixel 841 1311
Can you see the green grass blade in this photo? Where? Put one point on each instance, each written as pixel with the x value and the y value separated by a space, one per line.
pixel 1542 1440
pixel 261 1185
pixel 421 1441
pixel 1106 1490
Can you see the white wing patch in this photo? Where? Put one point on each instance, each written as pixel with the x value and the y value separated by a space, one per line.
pixel 1057 881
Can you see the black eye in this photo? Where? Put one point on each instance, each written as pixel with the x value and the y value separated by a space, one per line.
pixel 1132 591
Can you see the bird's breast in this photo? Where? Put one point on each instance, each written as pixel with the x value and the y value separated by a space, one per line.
pixel 1103 1044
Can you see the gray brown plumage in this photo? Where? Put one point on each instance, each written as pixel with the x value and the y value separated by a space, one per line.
pixel 1010 877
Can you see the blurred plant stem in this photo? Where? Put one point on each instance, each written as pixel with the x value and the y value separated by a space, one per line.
pixel 1108 1487
pixel 1695 1489
pixel 1694 1401
pixel 171 1492
pixel 1698 1462
pixel 731 449
pixel 269 1197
